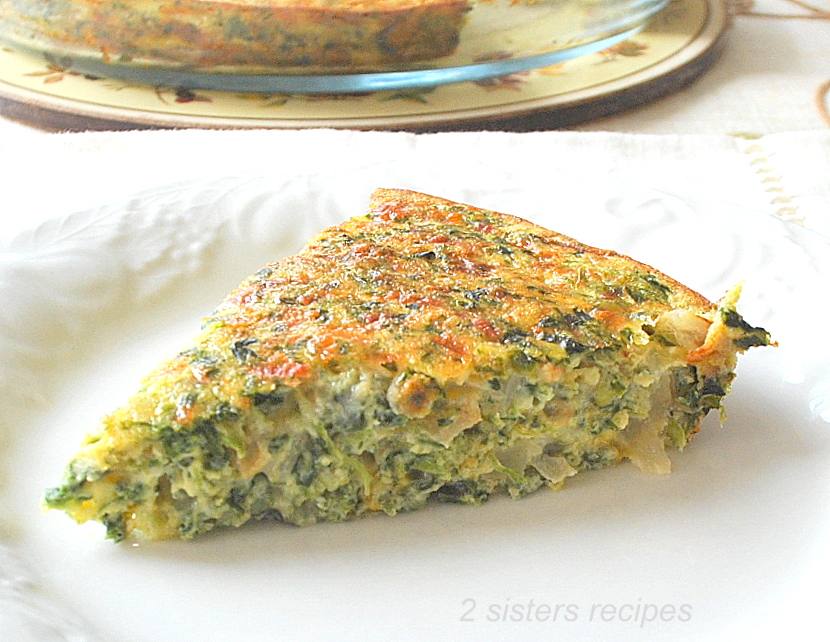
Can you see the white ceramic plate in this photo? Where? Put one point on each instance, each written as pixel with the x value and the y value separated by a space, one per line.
pixel 735 543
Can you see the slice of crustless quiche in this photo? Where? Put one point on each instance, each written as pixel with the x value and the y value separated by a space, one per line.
pixel 426 350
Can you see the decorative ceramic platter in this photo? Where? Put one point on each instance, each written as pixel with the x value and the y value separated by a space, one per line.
pixel 734 545
pixel 680 43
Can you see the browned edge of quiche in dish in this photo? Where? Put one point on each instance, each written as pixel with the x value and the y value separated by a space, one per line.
pixel 214 34
pixel 427 350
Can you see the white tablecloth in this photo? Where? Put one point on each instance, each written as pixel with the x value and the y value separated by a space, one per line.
pixel 45 176
pixel 772 77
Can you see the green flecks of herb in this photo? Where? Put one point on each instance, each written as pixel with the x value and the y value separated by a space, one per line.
pixel 636 294
pixel 429 255
pixel 627 335
pixel 572 346
pixel 659 338
pixel 202 361
pixel 734 320
pixel 215 455
pixel 187 399
pixel 646 287
pixel 116 527
pixel 241 350
pixel 345 414
pixel 75 479
pixel 676 433
pixel 593 460
pixel 576 318
pixel 132 493
pixel 203 436
pixel 268 401
pixel 307 465
pixel 521 361
pixel 463 491
pixel 397 461
pixel 711 393
pixel 598 428
pixel 60 496
pixel 269 515
pixel 515 335
pixel 754 336
pixel 369 306
pixel 277 443
pixel 711 386
pixel 225 412
pixel 193 523
pixel 751 341
pixel 176 443
pixel 495 384
pixel 423 480
pixel 187 525
pixel 261 498
pixel 710 402
pixel 236 498
pixel 254 497
pixel 572 321
pixel 684 382
pixel 569 344
pixel 475 295
pixel 384 414
pixel 304 469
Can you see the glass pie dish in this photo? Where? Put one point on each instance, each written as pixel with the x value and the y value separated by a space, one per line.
pixel 316 46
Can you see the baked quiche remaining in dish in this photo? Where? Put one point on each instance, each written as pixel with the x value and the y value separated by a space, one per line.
pixel 217 34
pixel 426 350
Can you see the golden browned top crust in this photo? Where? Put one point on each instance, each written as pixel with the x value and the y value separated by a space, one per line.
pixel 428 285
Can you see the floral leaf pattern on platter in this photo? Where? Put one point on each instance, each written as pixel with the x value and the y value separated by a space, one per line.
pixel 51 74
pixel 416 94
pixel 181 95
pixel 511 81
pixel 266 100
pixel 627 49
pixel 56 70
pixel 552 70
